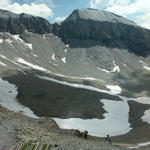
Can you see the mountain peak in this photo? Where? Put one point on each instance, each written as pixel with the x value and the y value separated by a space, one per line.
pixel 19 23
pixel 98 15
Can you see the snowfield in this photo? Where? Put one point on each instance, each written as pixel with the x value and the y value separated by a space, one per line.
pixel 114 123
pixel 8 93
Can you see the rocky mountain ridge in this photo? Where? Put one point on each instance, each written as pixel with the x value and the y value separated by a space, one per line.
pixel 19 23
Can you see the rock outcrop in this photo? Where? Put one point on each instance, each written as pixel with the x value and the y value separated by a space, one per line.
pixel 19 23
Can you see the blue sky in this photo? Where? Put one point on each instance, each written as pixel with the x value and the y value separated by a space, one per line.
pixel 57 10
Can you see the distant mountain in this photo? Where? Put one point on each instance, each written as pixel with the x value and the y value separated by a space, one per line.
pixel 107 29
pixel 16 24
pixel 95 64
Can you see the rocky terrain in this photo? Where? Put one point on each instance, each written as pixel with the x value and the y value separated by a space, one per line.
pixel 89 72
pixel 18 129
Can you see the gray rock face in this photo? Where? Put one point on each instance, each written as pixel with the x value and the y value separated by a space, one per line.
pixel 107 29
pixel 16 24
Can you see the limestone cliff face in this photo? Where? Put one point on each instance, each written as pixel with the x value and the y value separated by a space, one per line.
pixel 108 29
pixel 16 24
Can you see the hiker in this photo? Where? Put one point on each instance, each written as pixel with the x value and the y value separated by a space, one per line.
pixel 108 138
pixel 85 134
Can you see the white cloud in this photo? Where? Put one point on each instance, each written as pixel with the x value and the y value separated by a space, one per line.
pixel 137 9
pixel 36 9
pixel 60 19
pixel 144 20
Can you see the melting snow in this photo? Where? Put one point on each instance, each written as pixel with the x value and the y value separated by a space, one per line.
pixel 8 93
pixel 115 68
pixel 22 61
pixel 1 41
pixel 114 89
pixel 53 57
pixel 63 59
pixel 114 123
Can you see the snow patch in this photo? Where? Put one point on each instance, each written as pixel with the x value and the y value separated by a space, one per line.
pixel 145 66
pixel 67 45
pixel 53 57
pixel 139 145
pixel 142 100
pixel 114 89
pixel 29 45
pixel 2 56
pixel 43 36
pixel 115 68
pixel 1 41
pixel 125 65
pixel 117 122
pixel 2 64
pixel 146 117
pixel 63 59
pixel 9 41
pixel 65 50
pixel 34 55
pixel 17 37
pixel 107 71
pixel 22 61
pixel 8 93
pixel 75 85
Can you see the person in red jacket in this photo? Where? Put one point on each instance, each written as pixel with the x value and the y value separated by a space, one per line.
pixel 85 134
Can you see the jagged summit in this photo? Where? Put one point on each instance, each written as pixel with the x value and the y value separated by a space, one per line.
pixel 97 15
